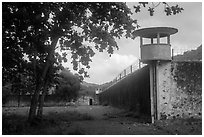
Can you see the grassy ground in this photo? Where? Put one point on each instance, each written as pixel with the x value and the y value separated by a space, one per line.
pixel 92 120
pixel 188 126
pixel 54 122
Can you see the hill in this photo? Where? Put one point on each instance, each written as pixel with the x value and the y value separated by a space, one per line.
pixel 89 84
pixel 192 55
pixel 105 85
pixel 88 89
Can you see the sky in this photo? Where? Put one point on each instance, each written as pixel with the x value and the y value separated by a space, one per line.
pixel 189 24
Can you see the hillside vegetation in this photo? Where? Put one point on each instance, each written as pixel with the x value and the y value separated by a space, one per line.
pixel 88 89
pixel 192 55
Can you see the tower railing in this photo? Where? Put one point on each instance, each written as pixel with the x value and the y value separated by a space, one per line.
pixel 127 71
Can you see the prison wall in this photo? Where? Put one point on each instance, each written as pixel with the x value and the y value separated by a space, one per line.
pixel 180 89
pixel 131 93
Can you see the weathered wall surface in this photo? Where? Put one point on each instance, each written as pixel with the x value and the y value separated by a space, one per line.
pixel 131 93
pixel 180 89
pixel 164 83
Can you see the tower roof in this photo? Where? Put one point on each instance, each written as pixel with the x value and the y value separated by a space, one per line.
pixel 153 31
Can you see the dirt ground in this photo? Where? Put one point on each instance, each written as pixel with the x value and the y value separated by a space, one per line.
pixel 106 120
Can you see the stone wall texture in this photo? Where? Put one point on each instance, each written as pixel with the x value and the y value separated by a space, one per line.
pixel 180 89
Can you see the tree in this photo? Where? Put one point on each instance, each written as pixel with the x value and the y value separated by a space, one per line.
pixel 17 83
pixel 68 86
pixel 35 30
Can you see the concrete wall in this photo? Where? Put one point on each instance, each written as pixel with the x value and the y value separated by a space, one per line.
pixel 131 93
pixel 180 89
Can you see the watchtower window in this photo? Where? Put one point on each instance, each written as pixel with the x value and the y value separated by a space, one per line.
pixel 163 40
pixel 146 41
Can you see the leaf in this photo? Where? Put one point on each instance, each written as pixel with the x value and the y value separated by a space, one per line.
pixel 151 11
pixel 168 11
pixel 64 59
pixel 137 8
pixel 143 3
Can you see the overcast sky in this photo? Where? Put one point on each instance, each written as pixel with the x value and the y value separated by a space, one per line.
pixel 189 24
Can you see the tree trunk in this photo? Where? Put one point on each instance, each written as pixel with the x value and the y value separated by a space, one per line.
pixel 19 99
pixel 41 101
pixel 35 97
pixel 34 103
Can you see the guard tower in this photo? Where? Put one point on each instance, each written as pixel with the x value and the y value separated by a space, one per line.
pixel 155 51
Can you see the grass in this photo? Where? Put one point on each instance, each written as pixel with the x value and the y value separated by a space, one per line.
pixel 69 116
pixel 60 121
pixel 187 126
pixel 77 131
pixel 53 123
pixel 178 126
pixel 13 124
